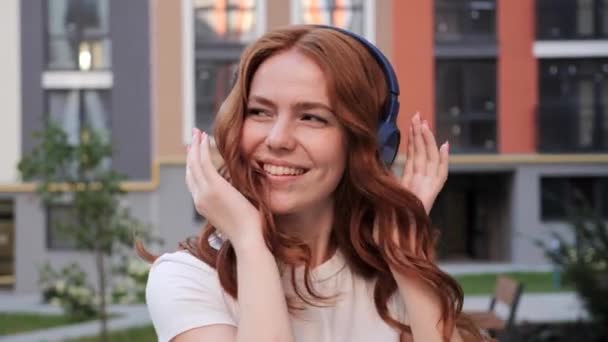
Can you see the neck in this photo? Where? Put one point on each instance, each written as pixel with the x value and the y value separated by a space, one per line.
pixel 313 227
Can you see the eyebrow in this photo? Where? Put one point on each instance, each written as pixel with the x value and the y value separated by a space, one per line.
pixel 302 105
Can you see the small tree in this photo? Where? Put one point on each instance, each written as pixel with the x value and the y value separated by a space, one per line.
pixel 583 262
pixel 79 174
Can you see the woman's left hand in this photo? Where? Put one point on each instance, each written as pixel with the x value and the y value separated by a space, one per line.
pixel 426 166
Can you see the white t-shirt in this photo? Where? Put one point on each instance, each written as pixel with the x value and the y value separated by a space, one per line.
pixel 184 293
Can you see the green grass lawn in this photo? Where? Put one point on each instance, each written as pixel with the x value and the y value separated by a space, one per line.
pixel 12 323
pixel 534 282
pixel 140 334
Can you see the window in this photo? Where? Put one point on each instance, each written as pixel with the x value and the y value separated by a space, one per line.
pixel 225 20
pixel 572 19
pixel 221 28
pixel 465 20
pixel 560 195
pixel 78 35
pixel 74 109
pixel 573 111
pixel 59 219
pixel 346 14
pixel 7 239
pixel 466 104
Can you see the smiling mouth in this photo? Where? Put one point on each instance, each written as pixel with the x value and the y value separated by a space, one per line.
pixel 276 170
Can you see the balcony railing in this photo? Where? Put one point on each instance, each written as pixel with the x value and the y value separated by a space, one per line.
pixel 465 21
pixel 571 128
pixel 571 19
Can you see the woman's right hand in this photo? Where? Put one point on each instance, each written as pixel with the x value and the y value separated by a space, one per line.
pixel 217 200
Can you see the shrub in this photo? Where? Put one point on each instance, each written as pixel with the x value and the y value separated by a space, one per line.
pixel 68 289
pixel 584 263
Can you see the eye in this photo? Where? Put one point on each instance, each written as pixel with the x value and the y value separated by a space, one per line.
pixel 314 118
pixel 256 112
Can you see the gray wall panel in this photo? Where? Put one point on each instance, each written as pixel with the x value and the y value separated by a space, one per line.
pixel 131 109
pixel 32 54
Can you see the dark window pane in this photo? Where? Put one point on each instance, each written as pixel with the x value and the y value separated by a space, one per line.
pixel 72 109
pixel 449 81
pixel 466 104
pixel 483 134
pixel 604 197
pixel 563 196
pixel 481 85
pixel 213 83
pixel 553 198
pixel 347 14
pixel 572 114
pixel 452 132
pixel 225 20
pixel 60 218
pixel 571 19
pixel 465 20
pixel 78 35
pixel 582 193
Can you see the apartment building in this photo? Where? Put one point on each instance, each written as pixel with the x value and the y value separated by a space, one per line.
pixel 517 87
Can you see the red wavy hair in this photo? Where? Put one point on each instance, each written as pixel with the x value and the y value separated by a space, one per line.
pixel 368 195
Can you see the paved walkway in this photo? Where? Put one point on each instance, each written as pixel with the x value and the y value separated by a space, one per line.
pixel 457 268
pixel 533 308
pixel 129 316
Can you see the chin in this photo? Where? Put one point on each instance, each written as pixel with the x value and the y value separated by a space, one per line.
pixel 282 209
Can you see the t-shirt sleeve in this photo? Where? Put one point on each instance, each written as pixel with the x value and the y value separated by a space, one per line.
pixel 183 293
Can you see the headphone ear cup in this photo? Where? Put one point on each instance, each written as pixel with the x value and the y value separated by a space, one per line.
pixel 389 139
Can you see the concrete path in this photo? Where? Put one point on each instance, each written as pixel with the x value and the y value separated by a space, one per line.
pixel 129 316
pixel 533 308
pixel 545 307
pixel 458 268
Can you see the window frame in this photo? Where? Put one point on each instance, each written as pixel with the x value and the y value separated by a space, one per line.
pixel 600 199
pixel 79 36
pixel 468 35
pixel 467 116
pixel 570 74
pixel 369 17
pixel 189 102
pixel 561 12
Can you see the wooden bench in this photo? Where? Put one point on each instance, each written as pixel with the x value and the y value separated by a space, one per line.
pixel 508 292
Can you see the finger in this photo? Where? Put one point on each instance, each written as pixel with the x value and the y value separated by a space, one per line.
pixel 419 148
pixel 432 151
pixel 408 169
pixel 190 183
pixel 442 169
pixel 205 158
pixel 194 163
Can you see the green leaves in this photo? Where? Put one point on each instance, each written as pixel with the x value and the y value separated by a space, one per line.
pixel 78 176
pixel 584 261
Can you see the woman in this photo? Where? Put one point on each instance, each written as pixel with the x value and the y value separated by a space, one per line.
pixel 310 236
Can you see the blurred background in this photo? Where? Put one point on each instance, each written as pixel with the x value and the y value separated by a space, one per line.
pixel 518 87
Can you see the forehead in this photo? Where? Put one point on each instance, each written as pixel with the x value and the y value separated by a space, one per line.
pixel 290 75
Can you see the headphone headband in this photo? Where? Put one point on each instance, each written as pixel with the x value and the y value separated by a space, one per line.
pixel 389 136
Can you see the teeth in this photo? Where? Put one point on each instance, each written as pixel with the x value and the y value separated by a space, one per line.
pixel 282 170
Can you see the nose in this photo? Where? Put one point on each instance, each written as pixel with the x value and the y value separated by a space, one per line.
pixel 281 135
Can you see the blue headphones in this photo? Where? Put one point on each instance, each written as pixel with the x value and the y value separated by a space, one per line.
pixel 389 136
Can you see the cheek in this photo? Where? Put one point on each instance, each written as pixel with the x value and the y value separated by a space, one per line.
pixel 250 137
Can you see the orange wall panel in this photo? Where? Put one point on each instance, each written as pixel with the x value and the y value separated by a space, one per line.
pixel 517 77
pixel 167 77
pixel 413 60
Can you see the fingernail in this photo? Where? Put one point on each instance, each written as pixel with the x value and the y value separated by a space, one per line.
pixel 193 132
pixel 425 124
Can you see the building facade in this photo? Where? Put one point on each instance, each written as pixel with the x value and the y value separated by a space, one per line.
pixel 519 89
